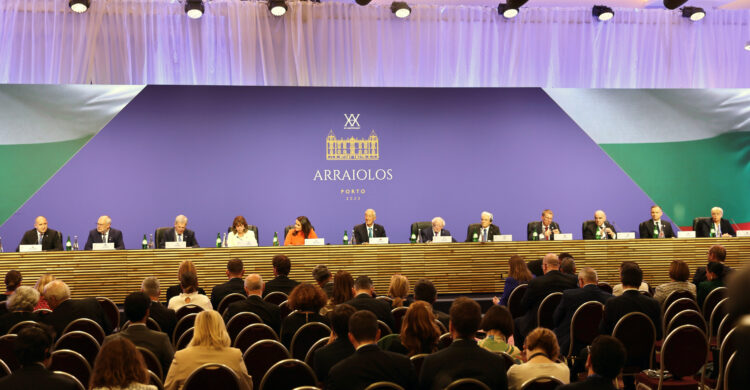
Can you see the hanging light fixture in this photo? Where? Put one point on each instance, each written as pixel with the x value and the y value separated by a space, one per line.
pixel 79 6
pixel 603 13
pixel 400 9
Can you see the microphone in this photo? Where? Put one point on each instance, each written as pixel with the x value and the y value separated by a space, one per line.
pixel 615 226
pixel 734 225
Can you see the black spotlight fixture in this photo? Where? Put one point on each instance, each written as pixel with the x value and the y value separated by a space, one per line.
pixel 363 2
pixel 79 6
pixel 510 9
pixel 602 12
pixel 277 7
pixel 674 4
pixel 400 9
pixel 194 9
pixel 694 13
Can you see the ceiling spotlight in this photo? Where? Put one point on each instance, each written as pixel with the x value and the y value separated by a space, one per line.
pixel 277 7
pixel 401 9
pixel 79 6
pixel 507 11
pixel 694 13
pixel 674 4
pixel 602 12
pixel 194 9
pixel 363 2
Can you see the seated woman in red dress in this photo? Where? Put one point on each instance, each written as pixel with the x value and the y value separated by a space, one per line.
pixel 302 230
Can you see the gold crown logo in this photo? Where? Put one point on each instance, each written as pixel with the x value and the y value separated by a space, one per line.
pixel 352 148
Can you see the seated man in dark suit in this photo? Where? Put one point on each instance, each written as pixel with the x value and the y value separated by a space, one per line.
pixel 323 277
pixel 179 234
pixel 66 310
pixel 364 231
pixel 166 318
pixel 32 348
pixel 603 363
pixel 717 254
pixel 369 364
pixel 281 282
pixel 340 347
pixel 51 240
pixel 655 227
pixel 438 224
pixel 485 231
pixel 544 229
pixel 137 311
pixel 572 299
pixel 363 300
pixel 268 312
pixel 425 290
pixel 235 284
pixel 599 228
pixel 552 281
pixel 716 226
pixel 104 234
pixel 463 358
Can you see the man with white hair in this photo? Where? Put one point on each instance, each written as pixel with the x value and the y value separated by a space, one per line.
pixel 66 310
pixel 599 228
pixel 179 234
pixel 717 226
pixel 50 240
pixel 104 234
pixel 485 231
pixel 20 308
pixel 363 232
pixel 435 231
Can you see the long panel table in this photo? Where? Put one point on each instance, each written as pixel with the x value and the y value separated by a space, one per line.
pixel 454 268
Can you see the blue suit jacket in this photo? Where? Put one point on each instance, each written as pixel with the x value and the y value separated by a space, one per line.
pixel 427 234
pixel 115 236
pixel 571 300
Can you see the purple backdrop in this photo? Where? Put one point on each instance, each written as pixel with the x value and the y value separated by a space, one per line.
pixel 212 153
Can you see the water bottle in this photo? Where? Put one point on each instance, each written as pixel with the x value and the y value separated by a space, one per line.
pixel 535 235
pixel 346 238
pixel 144 243
pixel 475 237
pixel 1 245
pixel 413 238
pixel 151 241
pixel 75 243
pixel 598 234
pixel 713 232
pixel 275 239
pixel 656 231
pixel 68 245
pixel 224 241
pixel 218 240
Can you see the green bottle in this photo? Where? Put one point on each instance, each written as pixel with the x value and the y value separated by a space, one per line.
pixel 68 245
pixel 218 240
pixel 598 234
pixel 713 232
pixel 656 231
pixel 534 236
pixel 275 239
pixel 144 243
pixel 475 237
pixel 346 238
pixel 413 238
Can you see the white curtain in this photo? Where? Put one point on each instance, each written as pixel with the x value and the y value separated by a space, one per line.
pixel 343 44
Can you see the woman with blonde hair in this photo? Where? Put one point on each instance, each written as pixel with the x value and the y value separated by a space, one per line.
pixel 210 344
pixel 39 286
pixel 119 365
pixel 541 350
pixel 186 266
pixel 399 290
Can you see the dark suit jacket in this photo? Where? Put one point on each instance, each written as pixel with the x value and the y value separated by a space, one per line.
pixel 646 229
pixel 571 300
pixel 462 359
pixel 381 309
pixel 493 229
pixel 593 382
pixel 188 236
pixel 114 236
pixel 328 356
pixel 280 283
pixel 704 228
pixel 51 241
pixel 73 309
pixel 231 286
pixel 630 301
pixel 589 230
pixel 156 342
pixel 166 318
pixel 268 312
pixel 537 226
pixel 361 236
pixel 369 364
pixel 176 290
pixel 7 320
pixel 539 288
pixel 35 377
pixel 427 234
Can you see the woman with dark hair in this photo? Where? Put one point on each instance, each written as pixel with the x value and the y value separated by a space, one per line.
pixel 541 350
pixel 518 274
pixel 119 366
pixel 343 287
pixel 12 280
pixel 679 273
pixel 241 235
pixel 419 332
pixel 302 230
pixel 185 267
pixel 498 324
pixel 399 290
pixel 306 300
pixel 190 294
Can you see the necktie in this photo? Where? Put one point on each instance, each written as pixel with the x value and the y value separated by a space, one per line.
pixel 369 232
pixel 484 234
pixel 602 233
pixel 718 230
pixel 179 238
pixel 546 237
pixel 104 238
pixel 40 237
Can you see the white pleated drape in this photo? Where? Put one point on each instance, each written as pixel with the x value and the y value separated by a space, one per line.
pixel 343 44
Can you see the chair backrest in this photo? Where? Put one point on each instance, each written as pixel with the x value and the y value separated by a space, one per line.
pixel 712 299
pixel 288 374
pixel 514 300
pixel 730 372
pixel 385 299
pixel 398 317
pixel 684 351
pixel 699 220
pixel 72 378
pixel 71 362
pixel 87 326
pixel 509 361
pixel 724 327
pixel 227 300
pixel 183 324
pixel 474 227
pixel 383 385
pixel 21 325
pixel 546 311
pixel 240 321
pixel 310 357
pixel 444 341
pixel 637 333
pixel 212 376
pixel 186 310
pixel 467 384
pixel 417 361
pixel 307 335
pixel 385 330
pixel 110 310
pixel 542 382
pixel 441 326
pixel 154 380
pixel 152 362
pixel 252 334
pixel 417 226
pixel 261 356
pixel 717 314
pixel 287 228
pixel 152 324
pixel 159 235
pixel 4 369
pixel 584 326
pixel 675 307
pixel 726 349
pixel 42 312
pixel 7 354
pixel 604 286
pixel 275 297
pixel 675 295
pixel 184 340
pixel 687 317
pixel 81 342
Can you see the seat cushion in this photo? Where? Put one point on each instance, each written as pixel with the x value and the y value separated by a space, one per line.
pixel 686 383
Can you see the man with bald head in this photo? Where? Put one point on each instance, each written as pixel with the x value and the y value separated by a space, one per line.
pixel 179 234
pixel 268 312
pixel 717 226
pixel 599 225
pixel 50 240
pixel 104 234
pixel 363 232
pixel 66 310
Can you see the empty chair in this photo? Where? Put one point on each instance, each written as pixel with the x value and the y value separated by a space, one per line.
pixel 275 297
pixel 637 333
pixel 154 380
pixel 675 295
pixel 306 336
pixel 186 310
pixel 240 321
pixel 183 324
pixel 687 317
pixel 417 227
pixel 731 371
pixel 288 374
pixel 310 357
pixel 71 377
pixel 544 382
pixel 717 314
pixel 19 326
pixel 676 307
pixel 445 341
pixel 7 354
pixel 4 369
pixel 544 316
pixel 71 362
pixel 252 334
pixel 584 326
pixel 81 342
pixel 87 326
pixel 724 327
pixel 514 301
pixel 229 299
pixel 212 375
pixel 728 347
pixel 398 317
pixel 184 340
pixel 284 309
pixel 152 362
pixel 261 356
pixel 110 310
pixel 384 386
pixel 683 354
pixel 712 299
pixel 467 384
pixel 385 330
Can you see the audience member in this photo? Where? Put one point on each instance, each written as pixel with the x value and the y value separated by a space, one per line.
pixel 118 365
pixel 190 294
pixel 369 364
pixel 716 254
pixel 281 282
pixel 363 300
pixel 536 267
pixel 463 358
pixel 498 324
pixel 39 286
pixel 618 289
pixel 517 275
pixel 541 352
pixel 339 347
pixel 398 291
pixel 603 363
pixel 343 287
pixel 739 295
pixel 235 284
pixel 307 300
pixel 20 308
pixel 322 276
pixel 714 275
pixel 268 312
pixel 32 348
pixel 568 265
pixel 571 300
pixel 66 310
pixel 166 318
pixel 419 332
pixel 210 344
pixel 12 280
pixel 424 290
pixel 678 274
pixel 186 266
